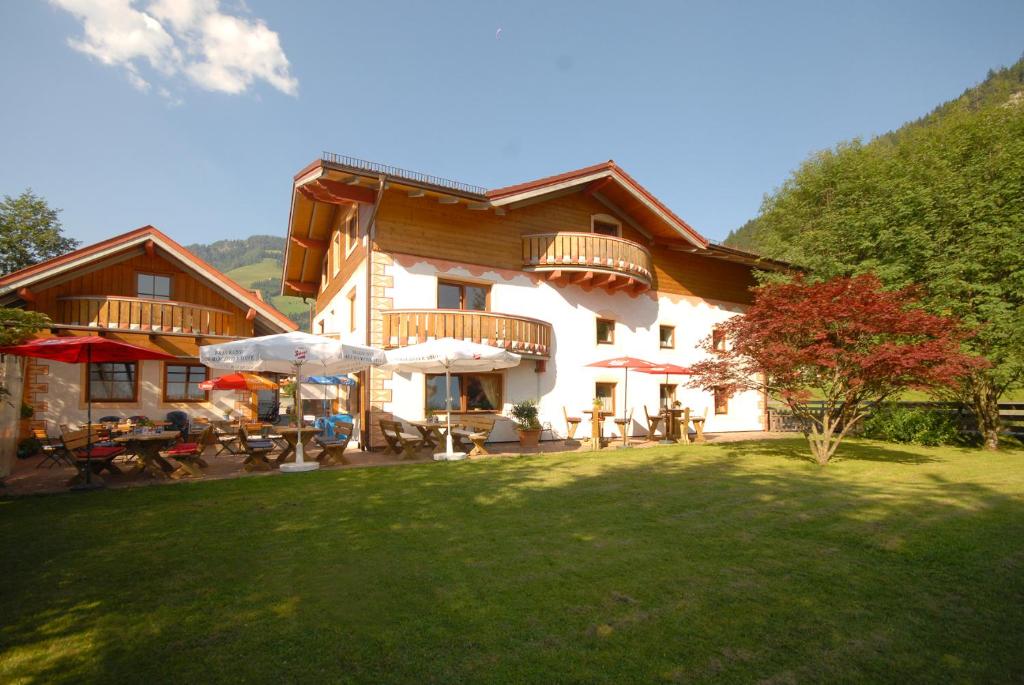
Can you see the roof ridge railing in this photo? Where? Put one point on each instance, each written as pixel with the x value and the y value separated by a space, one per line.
pixel 388 170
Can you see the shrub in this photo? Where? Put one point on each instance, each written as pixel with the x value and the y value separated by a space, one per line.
pixel 917 425
pixel 29 447
pixel 525 415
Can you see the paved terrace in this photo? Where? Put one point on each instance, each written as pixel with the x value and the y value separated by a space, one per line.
pixel 26 479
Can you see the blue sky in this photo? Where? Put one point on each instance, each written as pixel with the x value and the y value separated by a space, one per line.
pixel 197 123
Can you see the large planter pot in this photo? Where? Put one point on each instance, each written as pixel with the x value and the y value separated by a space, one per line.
pixel 529 438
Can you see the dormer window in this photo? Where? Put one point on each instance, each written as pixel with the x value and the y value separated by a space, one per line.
pixel 604 224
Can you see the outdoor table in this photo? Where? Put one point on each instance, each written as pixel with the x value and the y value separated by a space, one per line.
pixel 432 432
pixel 674 430
pixel 147 446
pixel 698 425
pixel 291 435
pixel 595 423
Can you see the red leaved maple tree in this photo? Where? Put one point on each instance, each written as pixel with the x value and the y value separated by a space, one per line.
pixel 826 350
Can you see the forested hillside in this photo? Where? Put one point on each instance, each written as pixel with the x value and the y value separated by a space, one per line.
pixel 255 262
pixel 939 204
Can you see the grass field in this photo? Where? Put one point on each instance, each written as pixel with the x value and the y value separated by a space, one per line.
pixel 728 563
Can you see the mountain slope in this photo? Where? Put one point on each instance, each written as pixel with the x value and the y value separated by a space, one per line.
pixel 256 263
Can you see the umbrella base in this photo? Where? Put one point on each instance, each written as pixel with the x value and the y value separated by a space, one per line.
pixel 298 468
pixel 446 456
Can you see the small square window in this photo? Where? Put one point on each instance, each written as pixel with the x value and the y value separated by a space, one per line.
pixel 667 337
pixel 605 332
pixel 153 287
pixel 718 340
pixel 605 394
pixel 721 401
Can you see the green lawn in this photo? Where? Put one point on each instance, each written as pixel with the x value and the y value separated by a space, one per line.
pixel 732 563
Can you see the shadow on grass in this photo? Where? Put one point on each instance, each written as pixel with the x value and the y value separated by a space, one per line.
pixel 851 449
pixel 670 565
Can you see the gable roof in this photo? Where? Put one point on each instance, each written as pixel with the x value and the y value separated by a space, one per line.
pixel 110 248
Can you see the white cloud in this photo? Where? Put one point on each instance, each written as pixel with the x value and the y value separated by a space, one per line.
pixel 192 38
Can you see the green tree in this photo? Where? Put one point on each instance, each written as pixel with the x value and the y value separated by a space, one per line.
pixel 18 325
pixel 940 205
pixel 30 232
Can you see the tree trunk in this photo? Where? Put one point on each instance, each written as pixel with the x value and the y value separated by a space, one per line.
pixel 985 402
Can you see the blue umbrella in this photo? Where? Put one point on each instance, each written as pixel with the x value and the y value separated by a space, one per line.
pixel 329 380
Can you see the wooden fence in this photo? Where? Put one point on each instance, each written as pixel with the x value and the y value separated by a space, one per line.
pixel 1011 415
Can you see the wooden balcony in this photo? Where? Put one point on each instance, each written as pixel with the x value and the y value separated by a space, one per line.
pixel 519 334
pixel 147 316
pixel 589 260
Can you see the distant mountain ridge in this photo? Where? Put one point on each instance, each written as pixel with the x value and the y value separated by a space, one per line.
pixel 255 262
pixel 1000 87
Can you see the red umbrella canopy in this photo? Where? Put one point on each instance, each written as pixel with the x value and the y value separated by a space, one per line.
pixel 79 350
pixel 667 369
pixel 623 363
pixel 238 381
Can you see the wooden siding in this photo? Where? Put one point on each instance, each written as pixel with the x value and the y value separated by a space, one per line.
pixel 194 306
pixel 349 263
pixel 585 252
pixel 424 227
pixel 517 334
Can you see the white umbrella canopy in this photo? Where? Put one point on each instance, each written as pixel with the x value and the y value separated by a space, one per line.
pixel 447 356
pixel 292 353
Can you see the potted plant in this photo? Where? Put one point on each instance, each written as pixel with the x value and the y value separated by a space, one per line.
pixel 528 425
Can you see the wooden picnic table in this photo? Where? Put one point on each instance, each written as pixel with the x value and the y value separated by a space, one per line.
pixel 596 419
pixel 433 432
pixel 147 447
pixel 291 435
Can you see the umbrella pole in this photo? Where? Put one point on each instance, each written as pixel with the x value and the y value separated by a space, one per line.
pixel 298 414
pixel 448 403
pixel 88 414
pixel 625 410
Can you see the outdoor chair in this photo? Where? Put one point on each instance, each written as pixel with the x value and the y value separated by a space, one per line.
pixel 400 442
pixel 477 429
pixel 623 425
pixel 684 426
pixel 334 447
pixel 97 458
pixel 571 424
pixel 189 456
pixel 51 449
pixel 255 451
pixel 653 422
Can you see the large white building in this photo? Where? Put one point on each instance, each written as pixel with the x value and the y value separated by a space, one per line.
pixel 566 270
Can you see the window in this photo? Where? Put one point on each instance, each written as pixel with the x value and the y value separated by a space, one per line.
pixel 605 225
pixel 181 383
pixel 113 382
pixel 470 392
pixel 351 231
pixel 352 309
pixel 668 395
pixel 721 401
pixel 605 393
pixel 605 332
pixel 718 340
pixel 667 337
pixel 456 295
pixel 323 270
pixel 153 287
pixel 335 254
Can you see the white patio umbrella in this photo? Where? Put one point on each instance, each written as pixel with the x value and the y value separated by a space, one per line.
pixel 290 353
pixel 447 356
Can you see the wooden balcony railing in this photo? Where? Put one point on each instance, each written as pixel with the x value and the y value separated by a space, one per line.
pixel 517 334
pixel 139 314
pixel 589 259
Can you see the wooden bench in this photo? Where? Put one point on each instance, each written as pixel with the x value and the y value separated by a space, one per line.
pixel 255 450
pixel 571 424
pixel 400 442
pixel 189 455
pixel 477 429
pixel 81 446
pixel 333 449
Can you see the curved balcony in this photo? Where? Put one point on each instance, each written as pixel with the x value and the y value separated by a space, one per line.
pixel 519 334
pixel 589 260
pixel 146 316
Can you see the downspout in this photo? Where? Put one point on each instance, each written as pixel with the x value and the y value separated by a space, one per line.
pixel 371 234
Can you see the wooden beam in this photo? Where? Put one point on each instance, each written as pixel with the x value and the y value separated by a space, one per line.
pixel 478 206
pixel 29 296
pixel 583 277
pixel 150 248
pixel 499 211
pixel 251 314
pixel 309 243
pixel 304 287
pixel 555 275
pixel 417 193
pixel 448 200
pixel 343 192
pixel 605 280
pixel 623 283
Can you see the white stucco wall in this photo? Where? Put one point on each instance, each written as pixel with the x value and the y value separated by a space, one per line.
pixel 65 398
pixel 567 380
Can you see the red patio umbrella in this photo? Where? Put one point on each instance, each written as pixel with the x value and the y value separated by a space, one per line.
pixel 238 381
pixel 86 349
pixel 626 363
pixel 669 369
